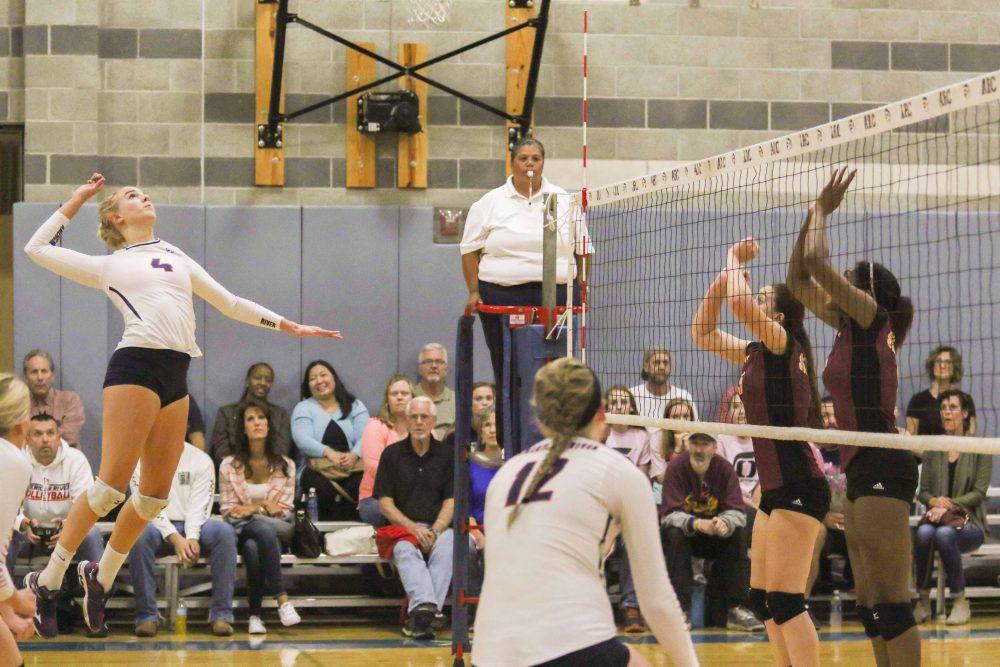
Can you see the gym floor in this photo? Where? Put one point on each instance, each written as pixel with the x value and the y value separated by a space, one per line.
pixel 369 642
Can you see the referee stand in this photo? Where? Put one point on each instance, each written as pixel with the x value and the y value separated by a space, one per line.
pixel 527 346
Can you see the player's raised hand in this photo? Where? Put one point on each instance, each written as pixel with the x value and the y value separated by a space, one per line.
pixel 308 331
pixel 833 194
pixel 91 187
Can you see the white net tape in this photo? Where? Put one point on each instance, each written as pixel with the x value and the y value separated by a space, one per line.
pixel 937 443
pixel 429 11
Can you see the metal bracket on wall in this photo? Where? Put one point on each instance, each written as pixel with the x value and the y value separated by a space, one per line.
pixel 522 120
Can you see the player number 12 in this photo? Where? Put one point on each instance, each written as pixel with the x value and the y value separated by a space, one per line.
pixel 522 477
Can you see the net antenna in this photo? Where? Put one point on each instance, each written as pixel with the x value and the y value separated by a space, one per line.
pixel 429 12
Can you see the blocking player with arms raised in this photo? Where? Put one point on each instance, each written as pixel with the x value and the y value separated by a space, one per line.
pixel 552 514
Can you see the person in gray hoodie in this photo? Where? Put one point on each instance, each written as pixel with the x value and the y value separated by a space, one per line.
pixel 59 474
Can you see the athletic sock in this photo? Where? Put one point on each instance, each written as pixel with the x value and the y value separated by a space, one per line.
pixel 52 576
pixel 111 563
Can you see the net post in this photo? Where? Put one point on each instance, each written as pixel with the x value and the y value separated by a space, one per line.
pixel 550 258
pixel 460 518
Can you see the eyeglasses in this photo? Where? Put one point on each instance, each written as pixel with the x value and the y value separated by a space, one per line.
pixel 433 362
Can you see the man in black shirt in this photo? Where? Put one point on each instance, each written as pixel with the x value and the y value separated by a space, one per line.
pixel 414 490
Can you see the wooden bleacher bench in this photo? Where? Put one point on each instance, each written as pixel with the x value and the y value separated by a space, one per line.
pixel 324 565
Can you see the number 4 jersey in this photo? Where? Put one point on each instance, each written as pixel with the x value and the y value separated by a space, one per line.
pixel 544 593
pixel 150 284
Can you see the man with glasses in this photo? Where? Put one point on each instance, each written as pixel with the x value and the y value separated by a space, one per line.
pixel 432 369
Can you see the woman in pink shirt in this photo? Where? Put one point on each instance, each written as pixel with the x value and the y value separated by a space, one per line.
pixel 387 427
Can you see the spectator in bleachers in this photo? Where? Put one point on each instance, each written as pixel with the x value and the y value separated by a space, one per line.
pixel 257 491
pixel 59 474
pixel 636 443
pixel 673 443
pixel 953 486
pixel 185 530
pixel 739 452
pixel 195 433
pixel 432 369
pixel 327 425
pixel 944 369
pixel 414 488
pixel 655 392
pixel 484 396
pixel 387 427
pixel 225 431
pixel 64 405
pixel 830 453
pixel 483 464
pixel 703 517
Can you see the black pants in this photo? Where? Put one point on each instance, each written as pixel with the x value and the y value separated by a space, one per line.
pixel 726 570
pixel 332 505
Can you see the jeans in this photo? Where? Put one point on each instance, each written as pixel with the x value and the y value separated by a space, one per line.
pixel 728 576
pixel 625 583
pixel 425 581
pixel 261 550
pixel 90 549
pixel 218 544
pixel 370 512
pixel 950 544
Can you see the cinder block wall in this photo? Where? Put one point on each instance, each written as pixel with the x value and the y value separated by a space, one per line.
pixel 160 92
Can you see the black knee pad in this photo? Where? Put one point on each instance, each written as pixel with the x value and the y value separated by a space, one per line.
pixel 785 606
pixel 868 621
pixel 758 604
pixel 894 619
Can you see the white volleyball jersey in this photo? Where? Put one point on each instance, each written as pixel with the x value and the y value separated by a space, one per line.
pixel 544 593
pixel 151 285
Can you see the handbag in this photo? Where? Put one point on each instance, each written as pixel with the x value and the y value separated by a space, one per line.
pixel 307 541
pixel 355 541
pixel 328 469
pixel 955 517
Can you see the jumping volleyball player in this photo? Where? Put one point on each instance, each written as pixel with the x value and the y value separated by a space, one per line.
pixel 552 514
pixel 145 389
pixel 778 388
pixel 872 317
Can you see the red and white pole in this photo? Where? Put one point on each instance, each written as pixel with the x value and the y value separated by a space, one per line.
pixel 583 207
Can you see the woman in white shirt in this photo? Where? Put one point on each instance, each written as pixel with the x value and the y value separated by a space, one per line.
pixel 502 244
pixel 145 397
pixel 552 514
pixel 16 606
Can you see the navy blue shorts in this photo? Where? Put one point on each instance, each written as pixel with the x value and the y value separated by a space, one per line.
pixel 885 473
pixel 610 653
pixel 161 371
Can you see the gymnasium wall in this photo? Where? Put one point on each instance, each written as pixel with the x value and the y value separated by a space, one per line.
pixel 371 272
pixel 160 92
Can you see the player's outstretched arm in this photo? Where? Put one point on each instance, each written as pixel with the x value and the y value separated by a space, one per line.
pixel 705 331
pixel 76 266
pixel 632 501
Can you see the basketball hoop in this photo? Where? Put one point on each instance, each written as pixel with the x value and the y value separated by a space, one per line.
pixel 429 12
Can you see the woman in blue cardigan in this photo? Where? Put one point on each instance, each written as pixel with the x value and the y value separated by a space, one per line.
pixel 327 425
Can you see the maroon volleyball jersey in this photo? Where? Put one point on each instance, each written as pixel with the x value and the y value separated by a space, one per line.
pixel 775 391
pixel 860 376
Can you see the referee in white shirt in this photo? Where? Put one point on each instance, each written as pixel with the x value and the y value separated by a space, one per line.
pixel 502 244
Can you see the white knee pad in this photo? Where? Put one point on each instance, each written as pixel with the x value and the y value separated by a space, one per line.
pixel 103 497
pixel 148 507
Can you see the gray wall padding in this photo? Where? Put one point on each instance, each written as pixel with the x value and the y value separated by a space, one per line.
pixel 374 273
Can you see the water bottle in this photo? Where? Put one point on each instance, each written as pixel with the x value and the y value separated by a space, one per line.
pixel 181 619
pixel 312 505
pixel 836 611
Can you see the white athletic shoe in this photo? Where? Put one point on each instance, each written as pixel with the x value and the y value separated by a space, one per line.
pixel 288 615
pixel 257 626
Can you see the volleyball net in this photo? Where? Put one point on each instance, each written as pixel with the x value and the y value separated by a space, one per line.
pixel 925 203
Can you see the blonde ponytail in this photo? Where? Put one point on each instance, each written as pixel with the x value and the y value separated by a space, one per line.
pixel 565 393
pixel 15 401
pixel 106 231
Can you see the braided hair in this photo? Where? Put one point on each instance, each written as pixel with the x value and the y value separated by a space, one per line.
pixel 567 396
